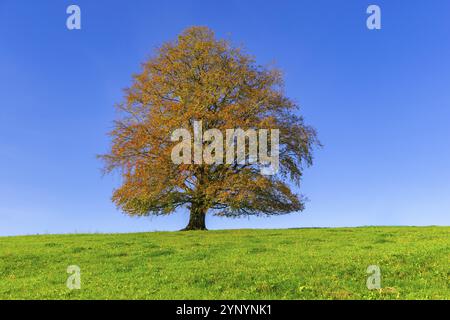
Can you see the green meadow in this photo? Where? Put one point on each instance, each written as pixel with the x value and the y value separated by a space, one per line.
pixel 231 264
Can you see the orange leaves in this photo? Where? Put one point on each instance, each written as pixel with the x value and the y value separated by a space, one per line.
pixel 200 78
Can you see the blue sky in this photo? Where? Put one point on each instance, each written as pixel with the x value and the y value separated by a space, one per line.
pixel 379 99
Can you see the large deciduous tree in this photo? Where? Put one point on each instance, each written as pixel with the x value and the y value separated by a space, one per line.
pixel 200 78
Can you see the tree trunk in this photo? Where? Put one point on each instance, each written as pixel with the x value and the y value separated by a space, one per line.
pixel 197 218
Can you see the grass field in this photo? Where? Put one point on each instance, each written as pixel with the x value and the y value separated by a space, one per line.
pixel 237 264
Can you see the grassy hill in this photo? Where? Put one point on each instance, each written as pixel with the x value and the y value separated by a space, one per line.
pixel 234 264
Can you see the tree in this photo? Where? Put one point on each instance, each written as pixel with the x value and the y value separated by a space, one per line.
pixel 200 78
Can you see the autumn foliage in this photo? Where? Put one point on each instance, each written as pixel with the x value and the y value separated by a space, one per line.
pixel 198 77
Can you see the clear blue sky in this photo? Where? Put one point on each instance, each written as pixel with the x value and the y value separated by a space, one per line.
pixel 380 101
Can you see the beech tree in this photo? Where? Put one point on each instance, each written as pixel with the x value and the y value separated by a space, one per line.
pixel 198 78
